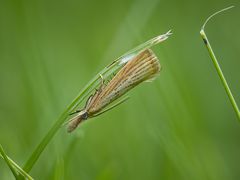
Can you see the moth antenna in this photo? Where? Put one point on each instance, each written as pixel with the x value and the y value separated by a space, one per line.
pixel 77 111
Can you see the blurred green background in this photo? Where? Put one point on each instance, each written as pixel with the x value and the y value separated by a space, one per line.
pixel 181 126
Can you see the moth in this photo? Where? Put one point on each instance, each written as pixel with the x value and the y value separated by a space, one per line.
pixel 144 66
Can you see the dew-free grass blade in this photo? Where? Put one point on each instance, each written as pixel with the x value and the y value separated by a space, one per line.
pixel 115 65
pixel 216 63
pixel 143 67
pixel 16 169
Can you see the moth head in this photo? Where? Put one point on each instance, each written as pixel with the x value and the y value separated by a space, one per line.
pixel 75 121
pixel 83 114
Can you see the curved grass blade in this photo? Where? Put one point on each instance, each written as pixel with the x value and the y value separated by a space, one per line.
pixel 42 145
pixel 8 162
pixel 16 170
pixel 108 70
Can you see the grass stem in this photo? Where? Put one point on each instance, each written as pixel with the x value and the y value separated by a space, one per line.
pixel 216 64
pixel 16 170
pixel 108 70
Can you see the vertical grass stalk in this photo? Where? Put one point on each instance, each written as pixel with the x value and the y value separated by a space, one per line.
pixel 216 64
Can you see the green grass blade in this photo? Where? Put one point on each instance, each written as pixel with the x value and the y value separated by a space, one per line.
pixel 8 162
pixel 35 155
pixel 216 64
pixel 113 67
pixel 13 166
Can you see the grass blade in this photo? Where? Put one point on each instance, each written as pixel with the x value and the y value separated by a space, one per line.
pixel 113 67
pixel 216 64
pixel 8 162
pixel 13 166
pixel 39 149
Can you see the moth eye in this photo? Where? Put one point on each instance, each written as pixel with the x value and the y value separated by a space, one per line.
pixel 85 116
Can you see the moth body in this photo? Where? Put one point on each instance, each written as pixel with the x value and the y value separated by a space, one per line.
pixel 144 66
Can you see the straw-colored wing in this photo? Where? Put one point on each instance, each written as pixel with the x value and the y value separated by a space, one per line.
pixel 141 68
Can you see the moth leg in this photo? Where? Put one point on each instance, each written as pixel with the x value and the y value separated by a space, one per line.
pixel 101 76
pixel 114 105
pixel 89 101
pixel 102 83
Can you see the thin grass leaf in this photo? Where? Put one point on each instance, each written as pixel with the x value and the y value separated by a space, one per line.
pixel 16 170
pixel 146 45
pixel 59 170
pixel 216 64
pixel 107 71
pixel 8 162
